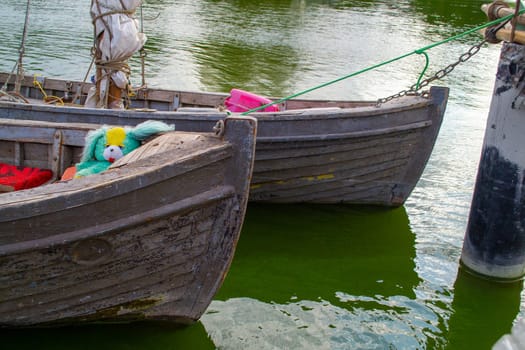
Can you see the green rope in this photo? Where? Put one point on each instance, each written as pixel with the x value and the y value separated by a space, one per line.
pixel 418 51
pixel 427 61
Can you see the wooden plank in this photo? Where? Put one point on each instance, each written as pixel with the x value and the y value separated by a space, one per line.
pixel 137 251
pixel 18 154
pixel 267 151
pixel 55 157
pixel 153 281
pixel 178 143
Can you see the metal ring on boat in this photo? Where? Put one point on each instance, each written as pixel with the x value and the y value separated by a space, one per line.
pixel 219 128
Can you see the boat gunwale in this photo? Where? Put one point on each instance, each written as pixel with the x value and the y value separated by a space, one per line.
pixel 321 108
pixel 346 135
pixel 110 181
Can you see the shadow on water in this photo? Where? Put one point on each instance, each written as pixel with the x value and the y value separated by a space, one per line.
pixel 483 311
pixel 312 251
pixel 114 337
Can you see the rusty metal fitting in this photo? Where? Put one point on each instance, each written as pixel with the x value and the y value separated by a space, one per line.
pixel 490 34
pixel 494 8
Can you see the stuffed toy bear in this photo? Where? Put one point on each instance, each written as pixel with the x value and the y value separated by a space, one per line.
pixel 107 144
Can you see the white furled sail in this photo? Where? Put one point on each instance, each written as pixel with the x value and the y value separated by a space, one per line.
pixel 117 38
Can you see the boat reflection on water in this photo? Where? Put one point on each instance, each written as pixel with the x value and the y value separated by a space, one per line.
pixel 313 276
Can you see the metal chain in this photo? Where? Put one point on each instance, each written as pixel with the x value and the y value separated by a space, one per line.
pixel 438 75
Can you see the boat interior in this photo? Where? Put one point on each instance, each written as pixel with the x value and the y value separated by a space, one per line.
pixel 36 89
pixel 30 149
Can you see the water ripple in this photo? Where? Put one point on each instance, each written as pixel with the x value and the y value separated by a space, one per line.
pixel 395 322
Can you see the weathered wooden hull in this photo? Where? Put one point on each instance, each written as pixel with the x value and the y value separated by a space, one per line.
pixel 151 239
pixel 312 151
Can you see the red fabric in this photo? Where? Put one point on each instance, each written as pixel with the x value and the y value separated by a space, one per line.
pixel 21 178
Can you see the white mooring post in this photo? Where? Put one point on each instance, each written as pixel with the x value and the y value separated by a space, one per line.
pixel 494 244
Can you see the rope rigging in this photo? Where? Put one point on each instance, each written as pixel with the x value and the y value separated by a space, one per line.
pixel 15 95
pixel 20 72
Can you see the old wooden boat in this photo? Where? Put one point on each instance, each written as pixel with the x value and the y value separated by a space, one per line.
pixel 358 152
pixel 151 238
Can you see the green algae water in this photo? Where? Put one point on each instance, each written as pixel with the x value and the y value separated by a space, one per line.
pixel 310 276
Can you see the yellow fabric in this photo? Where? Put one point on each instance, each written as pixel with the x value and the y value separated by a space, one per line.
pixel 116 136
